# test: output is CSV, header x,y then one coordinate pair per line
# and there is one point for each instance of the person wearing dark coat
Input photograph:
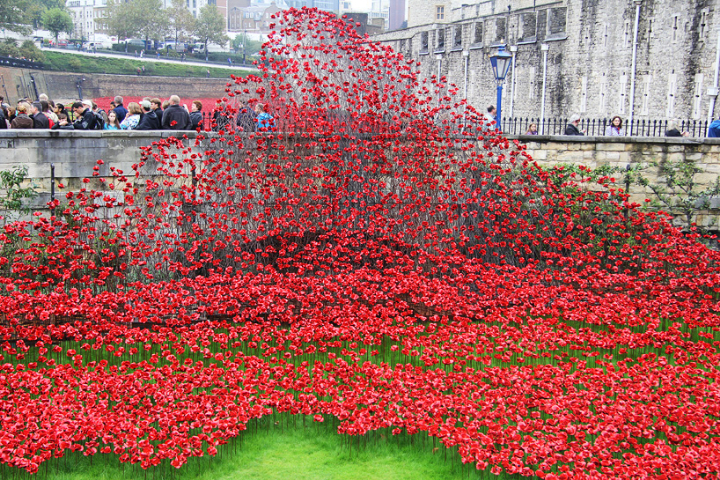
x,y
196,117
22,120
175,117
119,110
40,120
572,127
149,120
245,118
62,123
85,118
157,108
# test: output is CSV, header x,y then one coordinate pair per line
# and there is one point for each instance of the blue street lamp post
x,y
500,65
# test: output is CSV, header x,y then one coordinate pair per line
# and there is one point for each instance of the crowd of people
x,y
148,114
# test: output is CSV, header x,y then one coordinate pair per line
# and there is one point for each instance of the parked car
x,y
59,43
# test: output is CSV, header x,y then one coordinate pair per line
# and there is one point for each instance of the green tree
x,y
29,50
38,7
251,46
120,20
210,27
150,18
181,21
15,15
57,20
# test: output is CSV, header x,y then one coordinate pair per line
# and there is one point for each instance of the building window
x,y
672,91
697,100
528,26
675,29
605,35
478,35
646,97
458,36
531,84
626,34
441,39
500,30
440,12
650,32
603,89
583,95
623,91
703,25
557,19
424,41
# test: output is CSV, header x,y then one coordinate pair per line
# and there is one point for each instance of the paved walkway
x,y
152,58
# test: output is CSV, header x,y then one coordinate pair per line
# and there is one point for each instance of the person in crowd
x,y
492,112
99,112
11,114
62,123
196,117
264,120
132,119
40,121
43,98
4,122
615,129
59,108
22,118
120,110
246,118
674,131
84,117
532,129
148,120
112,123
572,126
175,117
157,108
48,112
714,129
220,119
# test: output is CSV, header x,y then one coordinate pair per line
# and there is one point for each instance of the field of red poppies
x,y
381,257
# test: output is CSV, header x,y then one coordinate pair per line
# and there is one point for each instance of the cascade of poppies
x,y
377,253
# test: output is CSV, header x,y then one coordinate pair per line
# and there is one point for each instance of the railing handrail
x,y
598,126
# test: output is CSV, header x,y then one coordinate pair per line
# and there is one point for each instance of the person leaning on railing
x,y
615,129
572,126
714,129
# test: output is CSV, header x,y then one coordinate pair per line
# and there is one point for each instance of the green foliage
x,y
210,26
181,22
14,193
68,62
30,51
119,20
57,21
15,15
9,48
149,17
676,189
251,46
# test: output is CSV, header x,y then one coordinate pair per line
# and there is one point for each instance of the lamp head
x,y
500,64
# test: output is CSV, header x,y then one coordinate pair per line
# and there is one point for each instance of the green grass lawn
x,y
68,62
285,448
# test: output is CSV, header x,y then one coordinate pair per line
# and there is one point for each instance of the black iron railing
x,y
599,126
20,63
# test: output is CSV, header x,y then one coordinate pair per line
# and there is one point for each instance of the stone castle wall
x,y
63,86
589,56
74,155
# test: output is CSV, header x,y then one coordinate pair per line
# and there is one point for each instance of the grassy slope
x,y
288,449
67,62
